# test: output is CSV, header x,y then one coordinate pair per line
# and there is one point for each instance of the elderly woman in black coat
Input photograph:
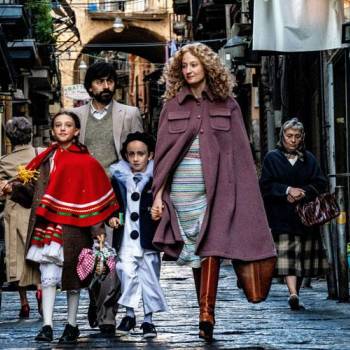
x,y
291,174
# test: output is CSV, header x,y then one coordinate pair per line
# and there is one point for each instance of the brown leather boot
x,y
209,283
197,282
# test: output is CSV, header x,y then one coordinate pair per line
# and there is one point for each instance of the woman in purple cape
x,y
205,187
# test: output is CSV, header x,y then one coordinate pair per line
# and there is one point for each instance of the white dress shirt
x,y
99,114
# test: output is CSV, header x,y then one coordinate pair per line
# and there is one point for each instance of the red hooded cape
x,y
79,192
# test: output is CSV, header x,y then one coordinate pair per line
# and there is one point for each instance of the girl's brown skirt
x,y
74,240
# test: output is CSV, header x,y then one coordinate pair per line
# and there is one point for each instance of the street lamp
x,y
82,65
118,25
82,71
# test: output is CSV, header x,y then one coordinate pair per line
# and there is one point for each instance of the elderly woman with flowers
x,y
16,217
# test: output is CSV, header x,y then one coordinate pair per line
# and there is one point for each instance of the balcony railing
x,y
13,19
128,6
10,2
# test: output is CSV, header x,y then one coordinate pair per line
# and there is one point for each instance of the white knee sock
x,y
73,304
130,312
148,318
49,295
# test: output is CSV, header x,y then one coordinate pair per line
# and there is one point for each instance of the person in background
x,y
113,120
16,217
291,174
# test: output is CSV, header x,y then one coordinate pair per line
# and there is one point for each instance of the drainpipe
x,y
328,231
228,20
331,152
244,11
329,119
342,247
267,101
326,234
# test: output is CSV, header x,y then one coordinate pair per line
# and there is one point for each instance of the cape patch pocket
x,y
178,121
220,119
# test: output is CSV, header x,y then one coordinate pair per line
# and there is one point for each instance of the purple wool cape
x,y
235,224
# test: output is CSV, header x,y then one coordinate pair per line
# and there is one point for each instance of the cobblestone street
x,y
325,324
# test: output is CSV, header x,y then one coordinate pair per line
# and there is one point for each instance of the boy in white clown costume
x,y
139,266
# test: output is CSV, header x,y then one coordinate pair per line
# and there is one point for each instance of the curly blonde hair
x,y
219,80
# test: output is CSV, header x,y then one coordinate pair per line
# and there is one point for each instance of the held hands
x,y
114,222
295,194
101,239
157,209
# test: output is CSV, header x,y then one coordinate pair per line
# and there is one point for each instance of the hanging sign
x,y
76,92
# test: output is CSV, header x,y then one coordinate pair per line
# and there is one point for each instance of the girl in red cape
x,y
70,196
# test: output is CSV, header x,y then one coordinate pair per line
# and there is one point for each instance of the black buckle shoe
x,y
107,329
70,334
126,325
92,311
149,330
45,334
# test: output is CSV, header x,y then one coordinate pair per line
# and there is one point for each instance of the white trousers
x,y
51,274
139,279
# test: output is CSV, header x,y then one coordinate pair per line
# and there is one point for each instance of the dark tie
x,y
137,178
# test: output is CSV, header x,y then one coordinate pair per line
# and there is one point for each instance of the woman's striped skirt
x,y
188,196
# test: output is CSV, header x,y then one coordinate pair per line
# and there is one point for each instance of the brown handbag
x,y
319,211
255,277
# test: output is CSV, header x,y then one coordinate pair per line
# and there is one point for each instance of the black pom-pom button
x,y
134,216
135,196
134,234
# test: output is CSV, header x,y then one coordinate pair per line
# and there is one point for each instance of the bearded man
x,y
105,123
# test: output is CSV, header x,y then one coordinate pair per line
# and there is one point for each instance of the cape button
x,y
134,234
135,196
134,216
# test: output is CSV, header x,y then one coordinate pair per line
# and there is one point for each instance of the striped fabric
x,y
189,199
301,256
45,233
80,211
